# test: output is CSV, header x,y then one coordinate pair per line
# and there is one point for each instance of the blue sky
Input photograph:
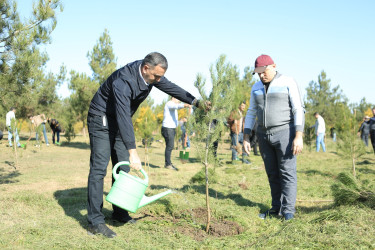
x,y
303,38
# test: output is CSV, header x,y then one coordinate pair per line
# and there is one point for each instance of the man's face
x,y
316,116
268,74
242,106
373,112
152,74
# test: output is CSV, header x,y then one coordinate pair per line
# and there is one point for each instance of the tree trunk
x,y
15,151
207,190
84,130
353,164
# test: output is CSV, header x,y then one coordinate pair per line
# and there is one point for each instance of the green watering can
x,y
128,191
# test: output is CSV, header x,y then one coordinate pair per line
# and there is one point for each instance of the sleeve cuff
x,y
247,131
195,103
299,128
130,145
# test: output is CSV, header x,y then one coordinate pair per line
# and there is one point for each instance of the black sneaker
x,y
269,213
101,229
124,219
171,167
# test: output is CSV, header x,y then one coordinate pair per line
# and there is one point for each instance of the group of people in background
x,y
367,129
38,123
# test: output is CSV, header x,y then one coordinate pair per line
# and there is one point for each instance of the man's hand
x,y
246,143
297,144
134,160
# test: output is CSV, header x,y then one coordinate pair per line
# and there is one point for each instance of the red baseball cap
x,y
262,62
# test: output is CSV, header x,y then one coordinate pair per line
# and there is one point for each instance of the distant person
x,y
277,105
1,135
11,115
111,129
333,134
168,129
56,129
372,129
39,120
364,130
320,130
254,139
184,134
236,123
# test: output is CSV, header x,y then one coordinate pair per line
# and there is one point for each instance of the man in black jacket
x,y
372,129
111,128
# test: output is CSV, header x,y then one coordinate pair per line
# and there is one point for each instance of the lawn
x,y
43,203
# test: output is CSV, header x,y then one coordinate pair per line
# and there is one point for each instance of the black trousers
x,y
168,134
372,135
105,143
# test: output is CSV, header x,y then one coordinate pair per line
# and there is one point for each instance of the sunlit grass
x,y
43,203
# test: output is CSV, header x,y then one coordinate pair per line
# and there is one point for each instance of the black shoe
x,y
269,213
124,219
101,229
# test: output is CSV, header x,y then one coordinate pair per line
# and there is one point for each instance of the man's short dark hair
x,y
154,59
12,108
316,113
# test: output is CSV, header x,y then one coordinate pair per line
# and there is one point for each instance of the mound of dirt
x,y
218,228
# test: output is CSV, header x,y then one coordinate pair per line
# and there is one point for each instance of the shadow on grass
x,y
78,145
237,198
151,165
366,170
316,172
74,201
364,162
8,177
314,209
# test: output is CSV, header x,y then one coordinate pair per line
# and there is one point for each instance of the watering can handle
x,y
115,174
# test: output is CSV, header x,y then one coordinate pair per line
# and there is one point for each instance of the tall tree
x,y
21,61
362,109
83,89
325,100
102,59
243,87
102,62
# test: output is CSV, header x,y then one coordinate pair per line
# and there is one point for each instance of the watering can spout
x,y
146,200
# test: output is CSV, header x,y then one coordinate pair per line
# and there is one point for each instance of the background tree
x,y
362,109
324,99
329,102
243,87
208,123
21,61
103,63
102,59
83,89
146,125
349,146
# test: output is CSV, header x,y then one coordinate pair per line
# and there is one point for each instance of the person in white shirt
x,y
320,130
9,117
168,129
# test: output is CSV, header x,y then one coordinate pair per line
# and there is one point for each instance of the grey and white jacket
x,y
279,108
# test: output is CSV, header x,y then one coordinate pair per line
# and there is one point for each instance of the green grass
x,y
43,203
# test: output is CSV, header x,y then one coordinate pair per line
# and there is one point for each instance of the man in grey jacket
x,y
277,105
